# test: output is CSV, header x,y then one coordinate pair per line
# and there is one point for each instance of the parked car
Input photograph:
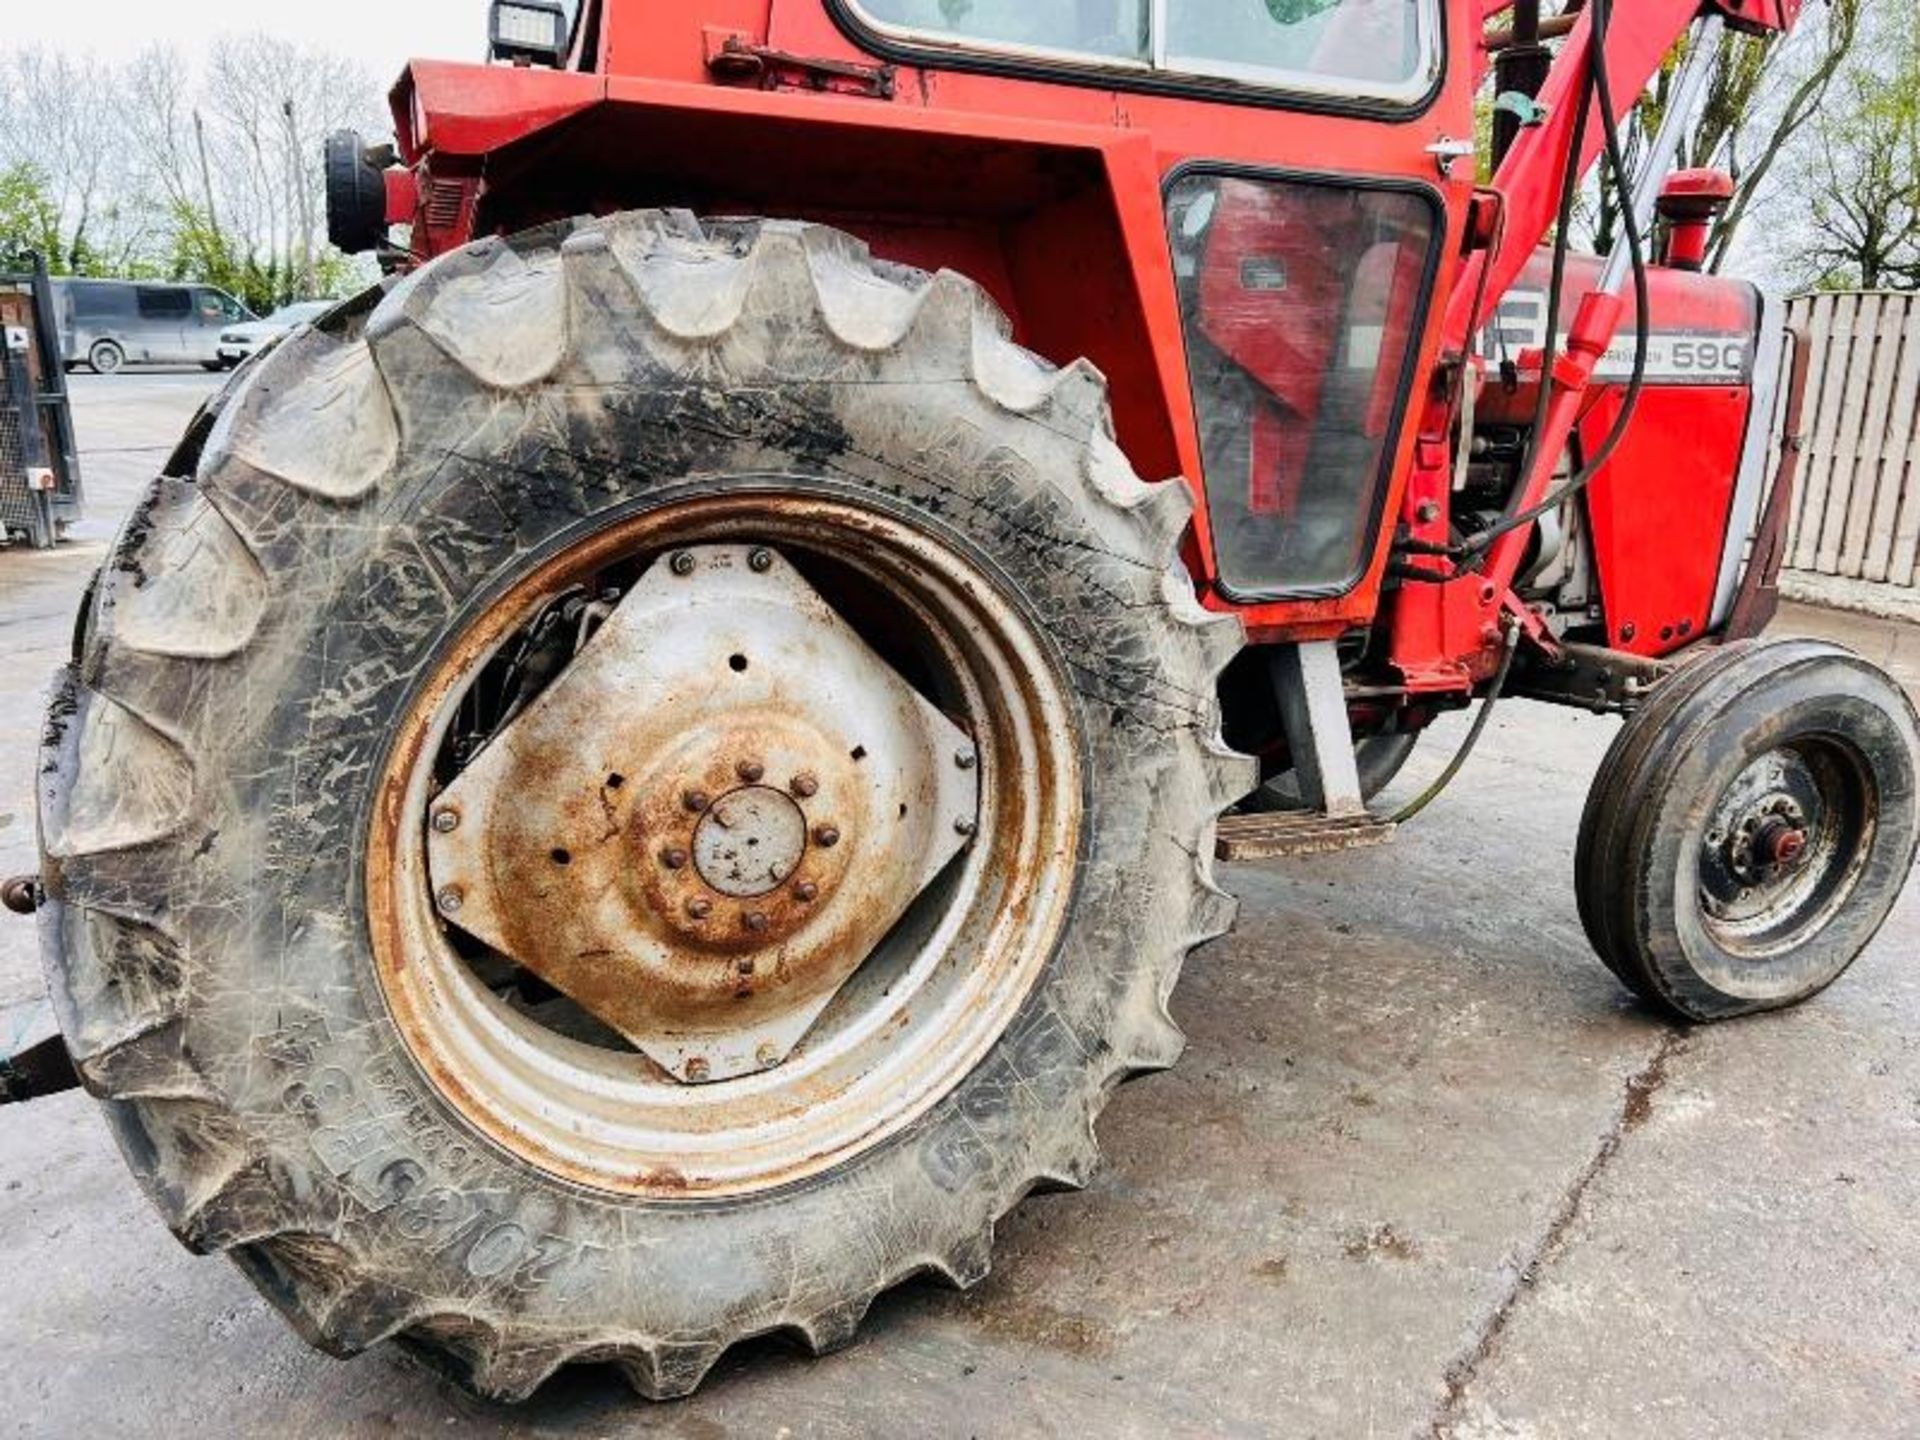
x,y
238,342
106,324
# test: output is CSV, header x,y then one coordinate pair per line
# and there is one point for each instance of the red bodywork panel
x,y
1050,194
1048,189
1659,510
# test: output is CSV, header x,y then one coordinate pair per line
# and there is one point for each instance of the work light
x,y
529,32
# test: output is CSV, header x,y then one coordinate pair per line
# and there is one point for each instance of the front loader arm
x,y
1639,38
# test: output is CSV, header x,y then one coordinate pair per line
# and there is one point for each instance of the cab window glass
x,y
1376,41
1302,300
1111,29
1387,48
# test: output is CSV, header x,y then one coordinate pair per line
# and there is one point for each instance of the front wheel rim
x,y
1785,845
905,1030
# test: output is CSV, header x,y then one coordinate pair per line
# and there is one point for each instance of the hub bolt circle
x,y
826,836
674,858
682,563
697,801
699,907
757,923
806,892
750,771
805,787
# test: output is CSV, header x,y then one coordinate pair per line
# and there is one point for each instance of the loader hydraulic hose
x,y
1465,753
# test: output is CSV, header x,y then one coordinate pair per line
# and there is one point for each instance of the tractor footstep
x,y
1276,837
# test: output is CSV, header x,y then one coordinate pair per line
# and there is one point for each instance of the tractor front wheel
x,y
644,786
1751,829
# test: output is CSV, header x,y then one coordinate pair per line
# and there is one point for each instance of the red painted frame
x,y
1048,190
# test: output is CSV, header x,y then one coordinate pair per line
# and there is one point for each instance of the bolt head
x,y
697,801
966,759
806,892
804,787
699,908
1427,513
751,771
674,858
760,561
697,1069
964,826
767,1055
450,900
445,822
757,923
825,836
682,563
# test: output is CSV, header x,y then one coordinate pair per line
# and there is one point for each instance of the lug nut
x,y
744,966
825,836
697,801
682,563
699,907
806,892
750,771
674,858
965,759
446,822
804,787
697,1069
450,900
757,923
761,561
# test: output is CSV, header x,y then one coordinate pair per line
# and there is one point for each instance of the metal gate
x,y
39,469
1855,538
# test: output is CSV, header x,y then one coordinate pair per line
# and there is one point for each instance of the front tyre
x,y
646,791
1751,829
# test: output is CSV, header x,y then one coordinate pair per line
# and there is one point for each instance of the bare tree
x,y
57,115
1859,181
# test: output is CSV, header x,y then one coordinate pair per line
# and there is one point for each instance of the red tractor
x,y
643,781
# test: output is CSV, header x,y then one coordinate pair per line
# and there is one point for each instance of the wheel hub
x,y
702,828
748,843
1764,843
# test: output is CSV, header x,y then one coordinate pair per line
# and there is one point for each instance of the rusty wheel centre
x,y
789,896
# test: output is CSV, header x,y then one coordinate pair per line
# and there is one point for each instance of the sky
x,y
382,34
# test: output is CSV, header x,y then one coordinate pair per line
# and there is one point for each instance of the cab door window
x,y
1301,300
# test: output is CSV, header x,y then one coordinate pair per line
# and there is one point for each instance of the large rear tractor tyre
x,y
631,791
1751,829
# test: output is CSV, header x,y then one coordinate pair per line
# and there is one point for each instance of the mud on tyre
x,y
221,777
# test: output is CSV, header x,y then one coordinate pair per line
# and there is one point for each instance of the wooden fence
x,y
1855,539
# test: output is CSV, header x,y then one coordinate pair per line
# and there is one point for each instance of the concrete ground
x,y
1424,1171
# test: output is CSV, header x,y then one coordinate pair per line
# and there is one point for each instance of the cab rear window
x,y
1374,49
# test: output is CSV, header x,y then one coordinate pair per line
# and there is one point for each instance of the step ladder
x,y
1313,711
